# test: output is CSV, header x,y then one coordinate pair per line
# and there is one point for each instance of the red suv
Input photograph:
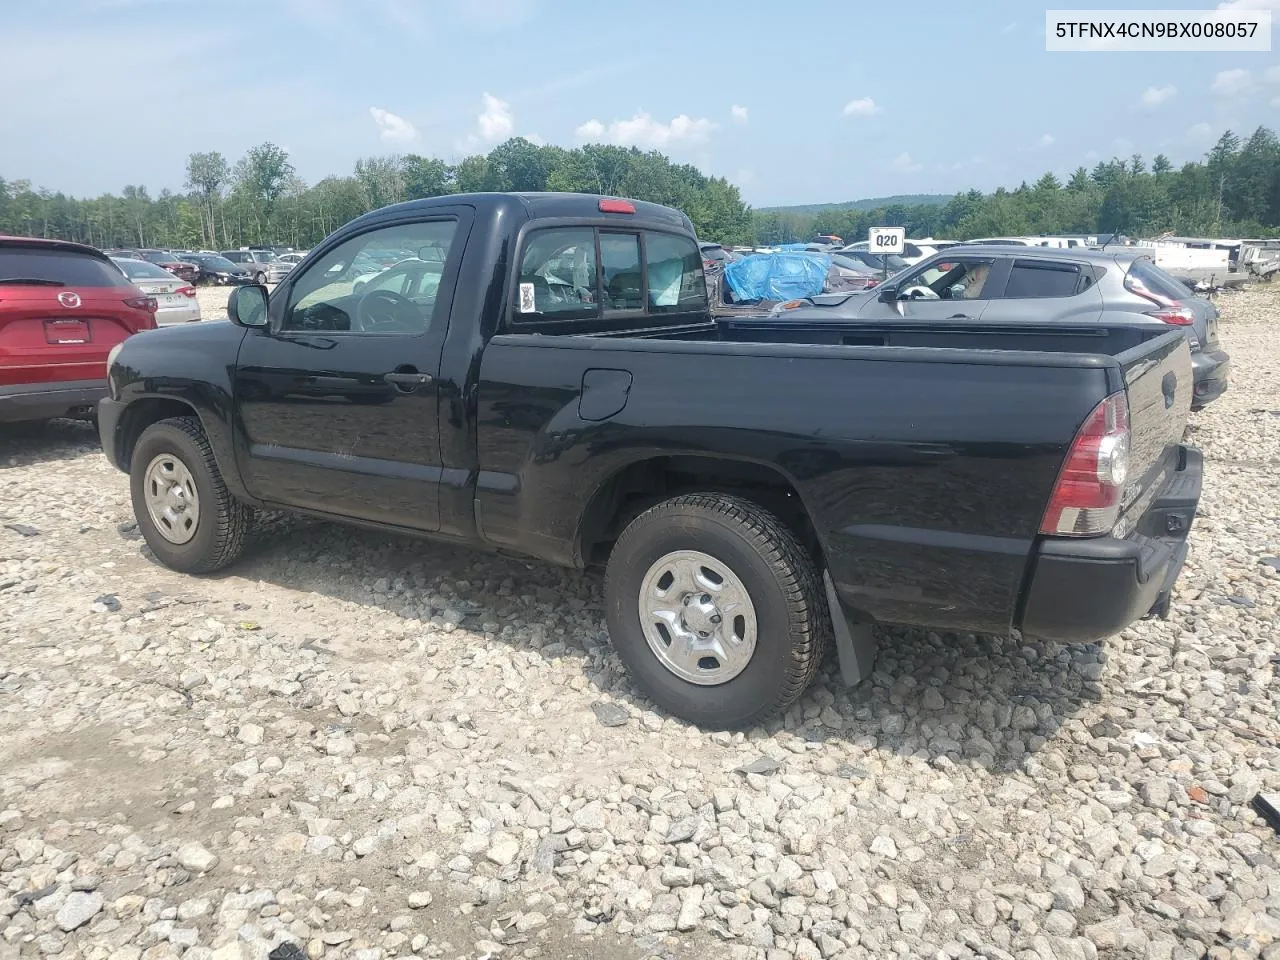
x,y
63,306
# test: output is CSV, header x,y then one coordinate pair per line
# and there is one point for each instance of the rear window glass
x,y
141,270
674,268
66,267
1029,279
620,269
1151,278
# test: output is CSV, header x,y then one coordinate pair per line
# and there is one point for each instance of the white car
x,y
913,251
175,298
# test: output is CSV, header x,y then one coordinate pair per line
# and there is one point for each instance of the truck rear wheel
x,y
715,608
186,515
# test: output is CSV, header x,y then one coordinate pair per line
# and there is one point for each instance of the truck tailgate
x,y
1158,381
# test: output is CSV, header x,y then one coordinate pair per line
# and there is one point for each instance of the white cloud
x,y
644,131
1273,75
862,107
1242,6
904,163
391,128
1121,145
739,114
1008,28
1230,83
1046,140
1091,155
536,140
744,176
1199,131
495,122
406,15
1155,96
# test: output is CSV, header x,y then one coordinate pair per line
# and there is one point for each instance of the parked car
x,y
63,306
876,261
415,279
752,487
295,257
165,259
852,274
717,253
262,265
175,299
1022,284
913,251
216,270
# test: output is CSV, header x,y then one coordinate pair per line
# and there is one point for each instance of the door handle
x,y
407,379
959,316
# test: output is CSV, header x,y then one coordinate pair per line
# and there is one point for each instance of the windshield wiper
x,y
33,281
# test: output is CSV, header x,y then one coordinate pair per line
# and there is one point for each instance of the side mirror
x,y
247,306
888,292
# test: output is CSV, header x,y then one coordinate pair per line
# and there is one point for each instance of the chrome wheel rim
x,y
697,617
173,503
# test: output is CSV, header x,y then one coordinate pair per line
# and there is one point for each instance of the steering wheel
x,y
919,292
385,311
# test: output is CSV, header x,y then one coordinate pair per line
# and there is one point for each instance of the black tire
x,y
222,521
260,278
792,619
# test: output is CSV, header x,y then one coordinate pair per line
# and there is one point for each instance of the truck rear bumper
x,y
40,401
1082,590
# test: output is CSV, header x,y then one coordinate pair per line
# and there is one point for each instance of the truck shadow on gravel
x,y
24,444
976,700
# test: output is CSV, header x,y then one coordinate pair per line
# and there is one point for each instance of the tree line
x,y
261,199
1234,191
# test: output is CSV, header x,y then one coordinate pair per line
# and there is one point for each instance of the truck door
x,y
337,398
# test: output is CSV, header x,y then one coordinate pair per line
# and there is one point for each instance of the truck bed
x,y
926,455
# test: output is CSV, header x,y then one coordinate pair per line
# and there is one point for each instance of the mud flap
x,y
856,644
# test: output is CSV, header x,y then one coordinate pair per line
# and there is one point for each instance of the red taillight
x,y
617,206
1178,317
1086,498
186,291
148,304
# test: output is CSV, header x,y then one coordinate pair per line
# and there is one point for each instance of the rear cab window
x,y
53,266
585,273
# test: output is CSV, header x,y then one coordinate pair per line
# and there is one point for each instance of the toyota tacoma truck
x,y
540,374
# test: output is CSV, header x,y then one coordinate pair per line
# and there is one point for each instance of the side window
x,y
349,290
1038,279
558,275
620,271
675,274
949,280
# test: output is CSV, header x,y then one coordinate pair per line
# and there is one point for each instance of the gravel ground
x,y
370,747
213,301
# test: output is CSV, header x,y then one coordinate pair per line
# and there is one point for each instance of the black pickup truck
x,y
540,374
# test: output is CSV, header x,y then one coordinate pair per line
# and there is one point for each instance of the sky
x,y
794,103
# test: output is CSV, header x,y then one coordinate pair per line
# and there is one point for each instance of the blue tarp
x,y
789,275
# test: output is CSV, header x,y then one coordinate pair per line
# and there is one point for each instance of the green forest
x,y
1233,191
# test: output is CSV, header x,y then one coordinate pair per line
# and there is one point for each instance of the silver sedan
x,y
175,298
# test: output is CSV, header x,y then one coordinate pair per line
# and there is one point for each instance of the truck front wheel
x,y
188,518
716,610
